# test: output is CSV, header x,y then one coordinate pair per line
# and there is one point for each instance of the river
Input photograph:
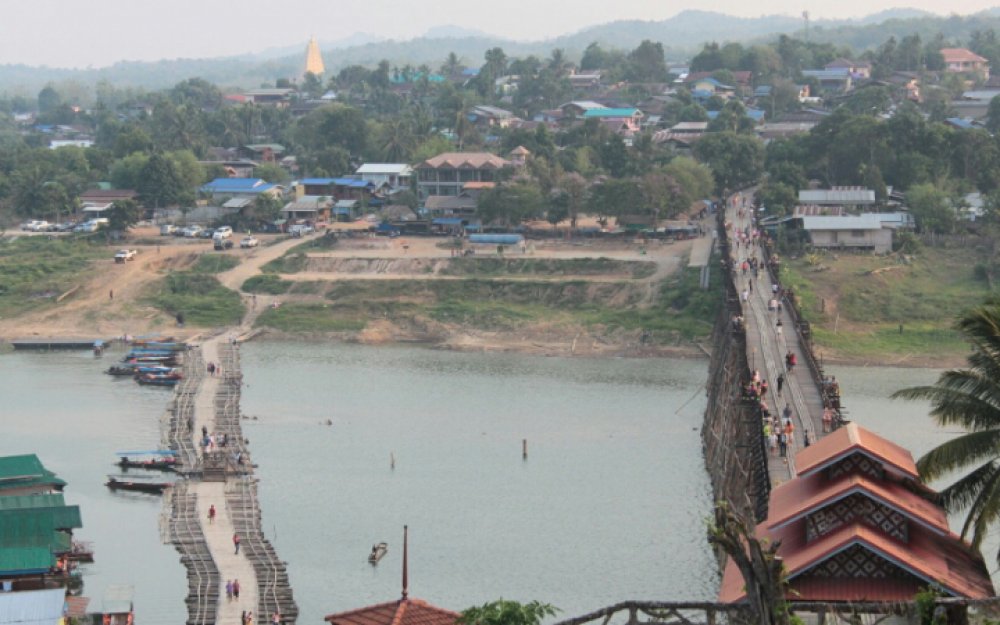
x,y
609,505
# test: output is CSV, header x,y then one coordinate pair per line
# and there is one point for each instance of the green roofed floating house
x,y
37,550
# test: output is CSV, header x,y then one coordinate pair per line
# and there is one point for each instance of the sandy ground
x,y
106,302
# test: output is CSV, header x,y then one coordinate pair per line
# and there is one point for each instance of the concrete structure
x,y
964,61
447,173
393,175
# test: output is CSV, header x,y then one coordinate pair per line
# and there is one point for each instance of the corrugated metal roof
x,y
25,470
837,196
26,560
118,599
847,222
605,112
32,607
60,517
384,168
47,500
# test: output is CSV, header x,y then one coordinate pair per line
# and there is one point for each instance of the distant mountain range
x,y
682,36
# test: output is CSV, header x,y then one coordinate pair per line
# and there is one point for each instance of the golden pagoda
x,y
314,60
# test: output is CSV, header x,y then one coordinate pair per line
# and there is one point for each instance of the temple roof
x,y
799,497
850,439
401,612
943,560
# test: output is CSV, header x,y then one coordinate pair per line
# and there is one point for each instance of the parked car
x,y
223,244
87,226
192,232
207,233
66,226
299,230
249,241
123,255
167,229
222,232
36,225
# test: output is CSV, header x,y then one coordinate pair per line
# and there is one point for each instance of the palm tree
x,y
969,398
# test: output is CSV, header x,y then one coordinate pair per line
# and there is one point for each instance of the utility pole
x,y
805,16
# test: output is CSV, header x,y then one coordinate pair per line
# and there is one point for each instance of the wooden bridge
x,y
805,390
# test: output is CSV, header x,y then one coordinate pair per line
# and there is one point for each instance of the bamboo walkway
x,y
222,478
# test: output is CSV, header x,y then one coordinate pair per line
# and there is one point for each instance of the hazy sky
x,y
81,33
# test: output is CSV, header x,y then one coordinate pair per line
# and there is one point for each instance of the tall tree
x,y
160,183
969,399
122,215
736,160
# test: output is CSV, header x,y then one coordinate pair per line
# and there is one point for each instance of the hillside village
x,y
625,137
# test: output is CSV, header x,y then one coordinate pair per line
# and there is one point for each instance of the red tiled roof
x,y
945,560
796,498
961,55
850,439
475,160
401,612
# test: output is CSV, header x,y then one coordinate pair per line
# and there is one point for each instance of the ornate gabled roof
x,y
800,497
852,439
942,560
401,612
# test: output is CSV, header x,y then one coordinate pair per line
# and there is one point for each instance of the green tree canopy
x,y
510,204
969,399
736,160
504,612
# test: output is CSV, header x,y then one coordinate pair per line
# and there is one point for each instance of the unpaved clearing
x,y
92,311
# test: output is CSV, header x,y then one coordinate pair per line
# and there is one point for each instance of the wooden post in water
x,y
524,449
392,461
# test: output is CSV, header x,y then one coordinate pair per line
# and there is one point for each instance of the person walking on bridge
x,y
236,543
781,382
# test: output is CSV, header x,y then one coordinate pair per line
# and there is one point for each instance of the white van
x,y
223,232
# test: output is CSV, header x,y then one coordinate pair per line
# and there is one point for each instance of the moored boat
x,y
124,482
149,379
152,460
378,552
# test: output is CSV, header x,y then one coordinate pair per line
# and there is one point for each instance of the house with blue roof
x,y
344,188
240,187
630,119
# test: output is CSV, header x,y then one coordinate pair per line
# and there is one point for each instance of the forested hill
x,y
681,36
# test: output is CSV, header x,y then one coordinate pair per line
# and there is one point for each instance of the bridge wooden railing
x,y
955,611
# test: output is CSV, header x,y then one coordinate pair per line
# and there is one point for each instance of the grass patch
x,y
34,271
682,309
294,317
856,303
200,297
215,263
267,283
473,266
295,259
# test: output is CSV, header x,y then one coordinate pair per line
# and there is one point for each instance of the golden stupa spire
x,y
314,60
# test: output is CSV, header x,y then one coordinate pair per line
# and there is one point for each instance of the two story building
x,y
447,173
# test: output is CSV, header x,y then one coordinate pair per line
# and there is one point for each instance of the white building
x,y
395,175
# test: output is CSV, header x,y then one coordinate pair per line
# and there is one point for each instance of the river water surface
x,y
609,505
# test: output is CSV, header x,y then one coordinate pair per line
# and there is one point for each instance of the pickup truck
x,y
123,255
